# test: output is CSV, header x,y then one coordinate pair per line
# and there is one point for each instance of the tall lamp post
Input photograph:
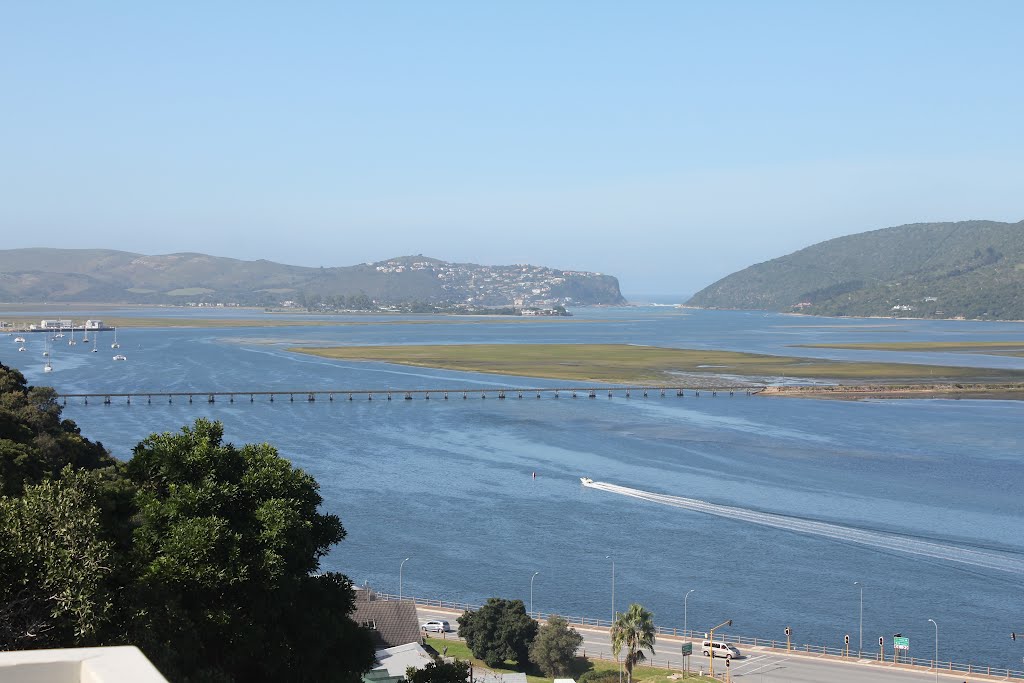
x,y
860,646
684,610
609,557
936,662
711,646
531,592
400,578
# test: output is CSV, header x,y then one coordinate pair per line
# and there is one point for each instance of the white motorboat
x,y
21,348
120,357
19,340
47,367
586,481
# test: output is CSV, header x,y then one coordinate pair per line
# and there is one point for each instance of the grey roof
x,y
393,622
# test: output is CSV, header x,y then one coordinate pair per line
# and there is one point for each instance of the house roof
x,y
397,659
393,622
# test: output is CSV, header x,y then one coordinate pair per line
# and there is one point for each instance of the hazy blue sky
x,y
668,143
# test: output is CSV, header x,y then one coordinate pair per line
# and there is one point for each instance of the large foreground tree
x,y
225,550
634,630
204,555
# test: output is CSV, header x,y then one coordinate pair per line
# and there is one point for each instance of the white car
x,y
438,625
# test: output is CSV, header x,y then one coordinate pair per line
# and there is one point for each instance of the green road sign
x,y
687,649
901,643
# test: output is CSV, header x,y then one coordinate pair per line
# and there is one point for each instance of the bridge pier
x,y
501,394
106,400
252,398
231,398
149,400
408,396
128,400
627,393
446,395
609,393
426,396
271,398
574,393
520,394
311,398
190,398
593,393
291,397
556,394
210,399
464,397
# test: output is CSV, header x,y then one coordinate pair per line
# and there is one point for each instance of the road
x,y
758,665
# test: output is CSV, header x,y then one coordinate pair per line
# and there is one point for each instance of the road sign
x,y
901,643
687,649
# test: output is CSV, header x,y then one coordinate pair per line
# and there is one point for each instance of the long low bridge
x,y
310,396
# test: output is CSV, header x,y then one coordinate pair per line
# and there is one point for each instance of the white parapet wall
x,y
123,664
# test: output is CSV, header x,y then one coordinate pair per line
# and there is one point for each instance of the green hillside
x,y
105,276
971,269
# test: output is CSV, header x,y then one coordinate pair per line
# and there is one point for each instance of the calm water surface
x,y
919,500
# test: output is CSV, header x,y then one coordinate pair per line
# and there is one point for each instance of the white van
x,y
719,649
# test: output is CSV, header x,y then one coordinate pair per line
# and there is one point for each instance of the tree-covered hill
x,y
105,276
970,269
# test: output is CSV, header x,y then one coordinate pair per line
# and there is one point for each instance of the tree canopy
x,y
439,671
204,554
499,631
554,648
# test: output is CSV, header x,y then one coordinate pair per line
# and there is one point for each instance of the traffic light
x,y
881,640
788,631
846,639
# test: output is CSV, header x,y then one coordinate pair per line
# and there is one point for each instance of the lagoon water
x,y
919,500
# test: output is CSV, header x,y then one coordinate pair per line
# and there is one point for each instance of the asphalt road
x,y
758,665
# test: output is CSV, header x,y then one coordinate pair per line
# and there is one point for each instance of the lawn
x,y
641,674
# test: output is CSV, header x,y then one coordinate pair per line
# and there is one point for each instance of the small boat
x,y
46,354
586,481
120,357
19,340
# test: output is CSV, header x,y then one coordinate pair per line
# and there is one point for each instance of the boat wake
x,y
974,557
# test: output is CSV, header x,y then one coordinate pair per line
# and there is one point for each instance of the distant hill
x,y
971,269
105,276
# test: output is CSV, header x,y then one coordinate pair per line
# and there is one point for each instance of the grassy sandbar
x,y
636,365
999,348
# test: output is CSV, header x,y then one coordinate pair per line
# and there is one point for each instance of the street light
x,y
609,557
531,592
400,578
711,646
684,609
860,646
936,662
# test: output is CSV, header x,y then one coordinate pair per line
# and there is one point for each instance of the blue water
x,y
449,485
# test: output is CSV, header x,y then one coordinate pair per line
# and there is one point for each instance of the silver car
x,y
438,625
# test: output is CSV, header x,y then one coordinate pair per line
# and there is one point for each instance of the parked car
x,y
438,625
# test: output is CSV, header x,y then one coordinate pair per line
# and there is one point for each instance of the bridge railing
x,y
919,663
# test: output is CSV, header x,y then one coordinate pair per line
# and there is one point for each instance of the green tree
x,y
499,631
35,444
53,565
224,554
634,630
554,648
439,671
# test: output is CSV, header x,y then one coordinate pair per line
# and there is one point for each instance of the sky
x,y
666,143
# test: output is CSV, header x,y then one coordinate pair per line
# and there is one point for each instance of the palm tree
x,y
633,628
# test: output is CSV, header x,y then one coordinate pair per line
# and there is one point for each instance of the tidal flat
x,y
651,365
